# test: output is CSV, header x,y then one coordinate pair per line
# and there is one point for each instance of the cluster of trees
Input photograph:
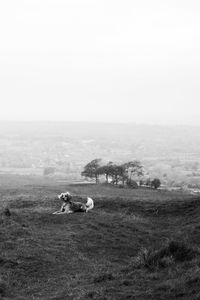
x,y
113,173
122,174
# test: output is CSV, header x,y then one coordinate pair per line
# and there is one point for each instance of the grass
x,y
135,244
173,252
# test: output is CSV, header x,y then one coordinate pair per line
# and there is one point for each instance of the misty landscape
x,y
99,150
170,153
137,242
141,238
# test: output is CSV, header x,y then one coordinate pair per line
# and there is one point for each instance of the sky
x,y
100,60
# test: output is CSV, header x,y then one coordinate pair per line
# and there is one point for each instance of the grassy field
x,y
135,244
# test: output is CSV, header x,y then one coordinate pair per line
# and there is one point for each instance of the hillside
x,y
135,244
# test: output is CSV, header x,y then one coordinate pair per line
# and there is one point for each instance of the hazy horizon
x,y
89,125
107,122
103,61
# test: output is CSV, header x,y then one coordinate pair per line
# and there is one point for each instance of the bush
x,y
155,183
131,184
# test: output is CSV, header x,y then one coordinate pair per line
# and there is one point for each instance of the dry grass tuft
x,y
169,254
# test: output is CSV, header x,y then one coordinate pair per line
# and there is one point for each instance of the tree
x,y
133,168
120,173
117,173
91,170
113,173
141,182
148,182
106,170
156,183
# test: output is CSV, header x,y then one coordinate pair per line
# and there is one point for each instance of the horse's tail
x,y
89,204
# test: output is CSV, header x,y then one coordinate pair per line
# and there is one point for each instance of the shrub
x,y
155,183
131,184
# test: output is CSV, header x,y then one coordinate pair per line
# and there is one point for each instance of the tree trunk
x,y
96,178
107,178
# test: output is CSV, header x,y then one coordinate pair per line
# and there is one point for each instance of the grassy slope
x,y
90,256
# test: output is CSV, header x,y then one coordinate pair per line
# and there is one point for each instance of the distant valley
x,y
170,153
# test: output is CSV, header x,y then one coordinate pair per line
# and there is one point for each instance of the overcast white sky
x,y
96,60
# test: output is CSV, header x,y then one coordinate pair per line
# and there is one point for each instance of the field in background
x,y
135,244
63,149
